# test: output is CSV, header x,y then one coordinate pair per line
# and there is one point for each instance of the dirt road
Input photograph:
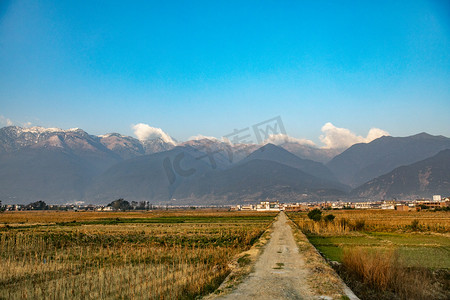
x,y
279,272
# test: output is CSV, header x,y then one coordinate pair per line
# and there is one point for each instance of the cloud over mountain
x,y
278,139
335,137
145,132
5,121
332,138
202,137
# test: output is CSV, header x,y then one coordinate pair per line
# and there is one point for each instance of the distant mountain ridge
x,y
363,162
13,138
217,153
49,164
312,153
280,155
61,166
264,174
257,180
145,177
420,179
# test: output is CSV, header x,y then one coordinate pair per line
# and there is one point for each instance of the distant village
x,y
116,205
436,203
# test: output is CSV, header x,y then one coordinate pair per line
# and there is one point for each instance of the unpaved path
x,y
279,272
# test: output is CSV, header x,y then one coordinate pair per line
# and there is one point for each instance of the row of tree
x,y
316,215
122,204
38,205
119,204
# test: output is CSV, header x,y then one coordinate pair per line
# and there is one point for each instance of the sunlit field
x,y
157,255
396,254
376,220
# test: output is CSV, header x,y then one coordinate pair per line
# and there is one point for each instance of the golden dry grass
x,y
181,257
382,271
347,221
382,251
49,216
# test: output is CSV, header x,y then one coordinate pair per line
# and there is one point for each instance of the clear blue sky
x,y
208,67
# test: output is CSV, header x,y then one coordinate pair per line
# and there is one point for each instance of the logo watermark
x,y
227,150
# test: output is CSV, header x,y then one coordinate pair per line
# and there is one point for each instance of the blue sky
x,y
207,67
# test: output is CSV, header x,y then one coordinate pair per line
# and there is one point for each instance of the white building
x,y
268,206
247,207
363,205
388,205
437,198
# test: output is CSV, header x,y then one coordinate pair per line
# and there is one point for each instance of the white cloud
x,y
375,133
280,138
201,137
146,132
5,121
335,137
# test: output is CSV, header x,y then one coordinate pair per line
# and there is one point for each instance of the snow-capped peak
x,y
38,129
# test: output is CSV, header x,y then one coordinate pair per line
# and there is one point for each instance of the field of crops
x,y
418,243
157,255
421,237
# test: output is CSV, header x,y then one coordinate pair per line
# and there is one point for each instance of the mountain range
x,y
65,166
269,172
365,161
418,180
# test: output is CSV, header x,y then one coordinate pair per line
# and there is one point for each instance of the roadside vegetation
x,y
156,255
384,254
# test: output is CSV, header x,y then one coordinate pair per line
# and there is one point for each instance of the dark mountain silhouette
x,y
363,162
153,177
61,166
256,180
421,179
148,178
52,174
218,154
282,156
311,152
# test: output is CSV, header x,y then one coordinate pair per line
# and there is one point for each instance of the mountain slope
x,y
124,146
363,162
75,141
421,179
49,164
311,152
256,180
282,156
217,153
60,166
52,174
156,145
147,178
152,177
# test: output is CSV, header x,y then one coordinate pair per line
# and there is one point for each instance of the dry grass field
x,y
54,216
93,255
376,221
386,254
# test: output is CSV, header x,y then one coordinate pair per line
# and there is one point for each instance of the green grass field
x,y
418,250
385,254
427,247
